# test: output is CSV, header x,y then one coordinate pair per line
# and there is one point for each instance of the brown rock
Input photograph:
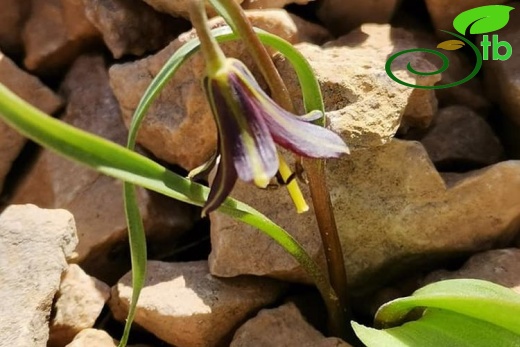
x,y
12,18
31,90
179,126
182,304
237,248
392,191
35,245
93,337
97,200
341,16
503,77
131,27
363,104
461,138
500,266
79,302
443,12
178,8
55,34
265,4
282,326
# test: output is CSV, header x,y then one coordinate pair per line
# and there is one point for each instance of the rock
x,y
282,326
35,245
179,126
231,257
97,200
79,302
182,304
12,18
461,138
500,266
443,12
392,201
179,8
363,104
341,16
31,90
503,77
131,27
92,337
55,33
265,4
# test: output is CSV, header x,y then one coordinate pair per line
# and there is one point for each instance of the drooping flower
x,y
250,124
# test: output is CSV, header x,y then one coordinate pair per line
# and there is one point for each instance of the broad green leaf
x,y
483,20
439,328
451,45
478,299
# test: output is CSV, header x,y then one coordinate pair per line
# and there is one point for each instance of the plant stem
x,y
339,314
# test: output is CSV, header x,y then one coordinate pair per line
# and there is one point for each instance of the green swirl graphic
x,y
444,67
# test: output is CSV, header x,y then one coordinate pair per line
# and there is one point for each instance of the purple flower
x,y
250,124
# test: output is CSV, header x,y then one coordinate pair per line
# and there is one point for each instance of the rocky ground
x,y
430,191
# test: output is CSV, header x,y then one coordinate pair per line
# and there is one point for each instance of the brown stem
x,y
339,314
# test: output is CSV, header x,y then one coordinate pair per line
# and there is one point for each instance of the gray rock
x,y
178,8
35,245
182,304
12,18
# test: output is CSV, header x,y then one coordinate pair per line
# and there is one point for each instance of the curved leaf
x,y
451,45
438,328
485,19
475,298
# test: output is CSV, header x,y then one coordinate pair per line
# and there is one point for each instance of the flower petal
x,y
240,120
222,186
287,129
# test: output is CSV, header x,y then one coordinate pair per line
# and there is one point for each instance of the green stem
x,y
337,302
244,29
213,55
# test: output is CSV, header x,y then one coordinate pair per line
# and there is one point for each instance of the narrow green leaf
x,y
483,20
439,328
482,300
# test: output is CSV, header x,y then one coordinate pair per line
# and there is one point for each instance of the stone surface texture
x,y
91,338
78,304
97,200
386,228
179,126
266,4
35,245
363,104
459,137
443,12
178,8
341,16
500,266
503,77
12,18
184,305
282,326
131,27
30,89
55,33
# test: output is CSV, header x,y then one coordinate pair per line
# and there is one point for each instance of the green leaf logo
x,y
451,45
483,20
